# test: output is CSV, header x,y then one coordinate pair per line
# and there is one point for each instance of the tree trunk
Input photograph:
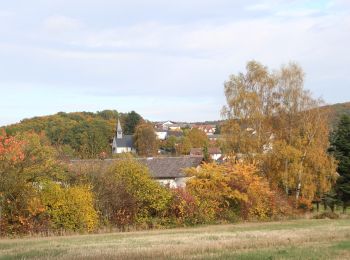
x,y
318,206
297,194
344,208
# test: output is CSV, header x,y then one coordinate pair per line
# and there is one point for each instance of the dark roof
x,y
214,136
175,133
199,151
160,167
170,167
126,141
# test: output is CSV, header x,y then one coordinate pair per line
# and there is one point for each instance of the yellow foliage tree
x,y
274,122
70,208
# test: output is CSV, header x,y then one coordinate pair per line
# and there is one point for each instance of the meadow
x,y
294,239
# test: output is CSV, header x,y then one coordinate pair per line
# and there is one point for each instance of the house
x,y
214,137
168,171
122,143
177,134
214,152
174,127
165,134
164,125
208,129
161,134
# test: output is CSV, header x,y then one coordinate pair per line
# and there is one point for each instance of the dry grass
x,y
299,239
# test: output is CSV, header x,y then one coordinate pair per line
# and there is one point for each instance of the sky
x,y
167,60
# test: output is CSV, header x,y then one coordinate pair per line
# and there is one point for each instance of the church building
x,y
122,143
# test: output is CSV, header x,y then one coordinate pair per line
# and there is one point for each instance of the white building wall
x,y
173,183
161,135
215,156
124,150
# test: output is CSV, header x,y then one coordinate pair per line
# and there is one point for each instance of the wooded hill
x,y
78,134
87,134
337,110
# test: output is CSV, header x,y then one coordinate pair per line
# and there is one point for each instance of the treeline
x,y
80,134
39,193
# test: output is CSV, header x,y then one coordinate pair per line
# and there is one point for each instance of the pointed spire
x,y
119,130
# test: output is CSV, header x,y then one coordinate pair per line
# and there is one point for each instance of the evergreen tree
x,y
341,151
132,119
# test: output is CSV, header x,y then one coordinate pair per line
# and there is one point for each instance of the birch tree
x,y
273,120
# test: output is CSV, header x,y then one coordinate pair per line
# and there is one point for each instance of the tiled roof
x,y
160,167
199,151
125,141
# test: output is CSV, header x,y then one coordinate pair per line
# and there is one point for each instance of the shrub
x,y
184,208
234,190
128,195
70,208
328,214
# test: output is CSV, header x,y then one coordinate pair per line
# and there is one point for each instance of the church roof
x,y
125,141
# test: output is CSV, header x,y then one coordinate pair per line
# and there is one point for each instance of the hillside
x,y
87,134
78,134
337,110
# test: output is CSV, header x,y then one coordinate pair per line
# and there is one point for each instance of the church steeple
x,y
119,130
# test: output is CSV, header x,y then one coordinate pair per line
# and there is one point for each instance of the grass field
x,y
297,239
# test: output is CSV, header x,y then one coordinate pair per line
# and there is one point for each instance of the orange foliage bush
x,y
235,190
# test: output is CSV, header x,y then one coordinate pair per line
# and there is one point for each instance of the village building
x,y
214,137
168,171
207,129
165,134
161,134
174,127
214,152
122,143
164,125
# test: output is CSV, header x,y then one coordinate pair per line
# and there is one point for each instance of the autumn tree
x,y
233,191
69,208
271,119
145,140
130,196
197,138
193,138
25,162
341,150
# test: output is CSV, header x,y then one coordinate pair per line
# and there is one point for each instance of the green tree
x,y
341,150
145,140
132,119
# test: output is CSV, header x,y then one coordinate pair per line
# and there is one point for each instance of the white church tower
x,y
122,143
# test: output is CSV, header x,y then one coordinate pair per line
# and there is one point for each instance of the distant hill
x,y
77,134
337,110
87,134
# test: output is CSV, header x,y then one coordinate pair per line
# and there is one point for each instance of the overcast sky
x,y
163,59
